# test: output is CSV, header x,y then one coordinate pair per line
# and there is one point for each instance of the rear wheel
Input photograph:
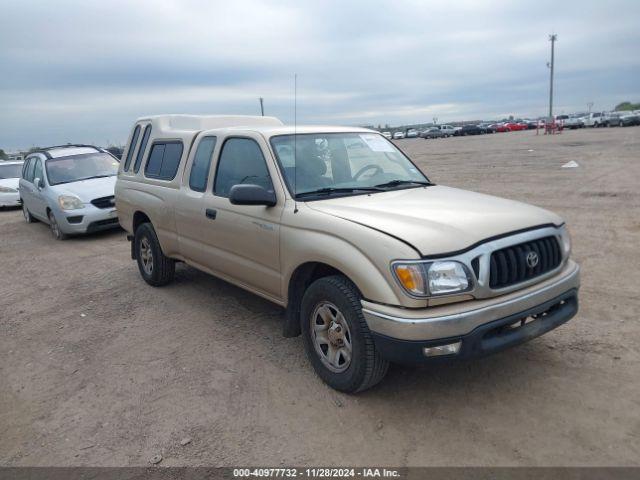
x,y
55,227
27,214
155,268
336,336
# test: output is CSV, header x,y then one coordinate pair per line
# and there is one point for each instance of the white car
x,y
398,135
9,181
70,188
594,119
412,133
448,130
386,135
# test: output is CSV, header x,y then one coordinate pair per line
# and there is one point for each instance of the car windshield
x,y
10,171
81,167
343,164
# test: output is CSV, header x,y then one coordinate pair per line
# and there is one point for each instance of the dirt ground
x,y
97,368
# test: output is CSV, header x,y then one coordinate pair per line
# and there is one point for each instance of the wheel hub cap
x,y
331,337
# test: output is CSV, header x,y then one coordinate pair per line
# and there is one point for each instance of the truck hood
x,y
437,220
87,190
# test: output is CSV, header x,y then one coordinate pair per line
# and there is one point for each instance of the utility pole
x,y
262,106
552,38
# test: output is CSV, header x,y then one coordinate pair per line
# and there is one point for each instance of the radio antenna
x,y
295,142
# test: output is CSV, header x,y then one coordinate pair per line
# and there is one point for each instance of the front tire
x,y
55,227
336,337
155,268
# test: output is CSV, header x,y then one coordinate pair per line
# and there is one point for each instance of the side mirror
x,y
252,195
39,183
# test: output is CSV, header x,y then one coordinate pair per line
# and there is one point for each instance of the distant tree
x,y
624,106
3,155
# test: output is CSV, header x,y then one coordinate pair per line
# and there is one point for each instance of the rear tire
x,y
336,337
155,268
27,214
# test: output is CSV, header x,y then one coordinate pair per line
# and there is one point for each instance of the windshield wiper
x,y
330,190
395,183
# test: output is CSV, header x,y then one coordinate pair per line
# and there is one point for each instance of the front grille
x,y
510,265
104,202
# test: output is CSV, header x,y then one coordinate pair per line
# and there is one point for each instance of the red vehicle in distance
x,y
515,126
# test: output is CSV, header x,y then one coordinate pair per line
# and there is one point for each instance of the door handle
x,y
211,213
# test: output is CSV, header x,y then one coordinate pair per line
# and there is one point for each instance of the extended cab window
x,y
143,146
164,160
132,147
241,161
201,164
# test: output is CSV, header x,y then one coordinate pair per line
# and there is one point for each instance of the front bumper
x,y
88,220
481,325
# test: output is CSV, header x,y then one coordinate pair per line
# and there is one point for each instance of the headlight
x,y
69,202
8,190
422,279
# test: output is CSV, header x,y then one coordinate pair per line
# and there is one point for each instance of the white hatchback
x,y
9,180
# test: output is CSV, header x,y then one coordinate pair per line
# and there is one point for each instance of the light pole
x,y
552,38
589,106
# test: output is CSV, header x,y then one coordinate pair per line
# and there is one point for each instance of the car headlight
x,y
70,202
8,190
422,279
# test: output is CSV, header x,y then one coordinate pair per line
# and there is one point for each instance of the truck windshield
x,y
81,167
343,164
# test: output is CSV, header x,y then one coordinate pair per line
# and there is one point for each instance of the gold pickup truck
x,y
372,261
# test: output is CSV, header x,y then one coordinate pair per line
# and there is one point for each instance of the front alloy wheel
x,y
55,228
336,336
331,337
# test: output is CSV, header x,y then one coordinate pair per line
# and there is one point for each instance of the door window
x,y
30,170
37,172
201,164
241,162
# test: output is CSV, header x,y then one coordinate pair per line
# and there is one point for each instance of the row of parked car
x,y
599,119
440,131
573,121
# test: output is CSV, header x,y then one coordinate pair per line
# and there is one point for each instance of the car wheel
x,y
336,336
55,227
155,268
27,214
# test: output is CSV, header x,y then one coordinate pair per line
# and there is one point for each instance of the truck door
x,y
243,241
190,208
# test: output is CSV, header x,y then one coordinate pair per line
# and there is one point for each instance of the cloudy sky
x,y
83,71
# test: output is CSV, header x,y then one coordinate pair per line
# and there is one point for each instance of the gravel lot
x,y
97,368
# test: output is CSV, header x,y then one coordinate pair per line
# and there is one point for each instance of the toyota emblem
x,y
532,259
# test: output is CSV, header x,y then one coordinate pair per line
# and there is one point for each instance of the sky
x,y
83,71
